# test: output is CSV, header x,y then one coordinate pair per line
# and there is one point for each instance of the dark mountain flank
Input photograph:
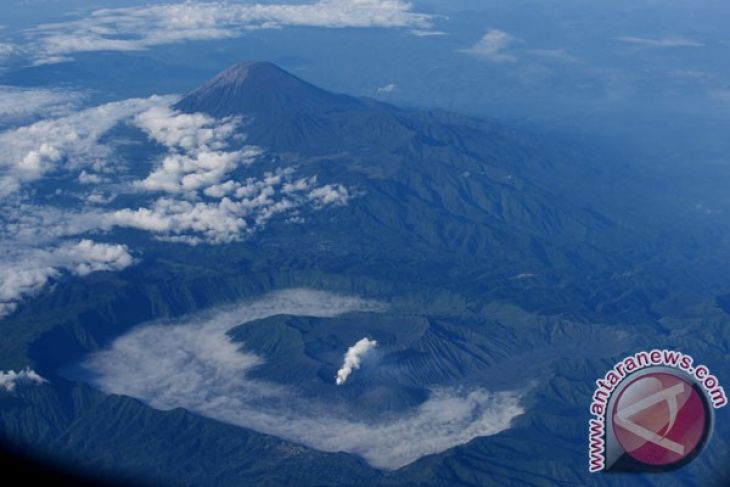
x,y
437,193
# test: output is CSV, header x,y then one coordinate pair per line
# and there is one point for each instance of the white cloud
x,y
524,275
25,271
86,257
7,50
197,158
428,33
24,225
243,207
8,185
10,380
389,88
198,167
97,198
187,131
302,184
206,198
330,194
23,105
44,60
190,172
138,28
91,178
660,42
69,142
353,359
193,364
493,46
220,222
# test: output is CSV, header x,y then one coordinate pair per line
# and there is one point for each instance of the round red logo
x,y
660,419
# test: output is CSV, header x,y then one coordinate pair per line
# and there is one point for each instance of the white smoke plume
x,y
353,358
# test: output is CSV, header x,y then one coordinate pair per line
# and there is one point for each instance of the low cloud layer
x,y
139,28
353,359
10,380
193,364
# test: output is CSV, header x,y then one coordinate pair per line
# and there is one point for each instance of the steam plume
x,y
353,358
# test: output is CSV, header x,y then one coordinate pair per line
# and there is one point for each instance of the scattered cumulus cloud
x,y
86,257
660,42
100,198
10,380
202,201
494,46
353,359
190,171
142,27
91,178
186,131
197,157
192,363
242,208
185,221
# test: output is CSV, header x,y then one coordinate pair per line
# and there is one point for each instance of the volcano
x,y
262,89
